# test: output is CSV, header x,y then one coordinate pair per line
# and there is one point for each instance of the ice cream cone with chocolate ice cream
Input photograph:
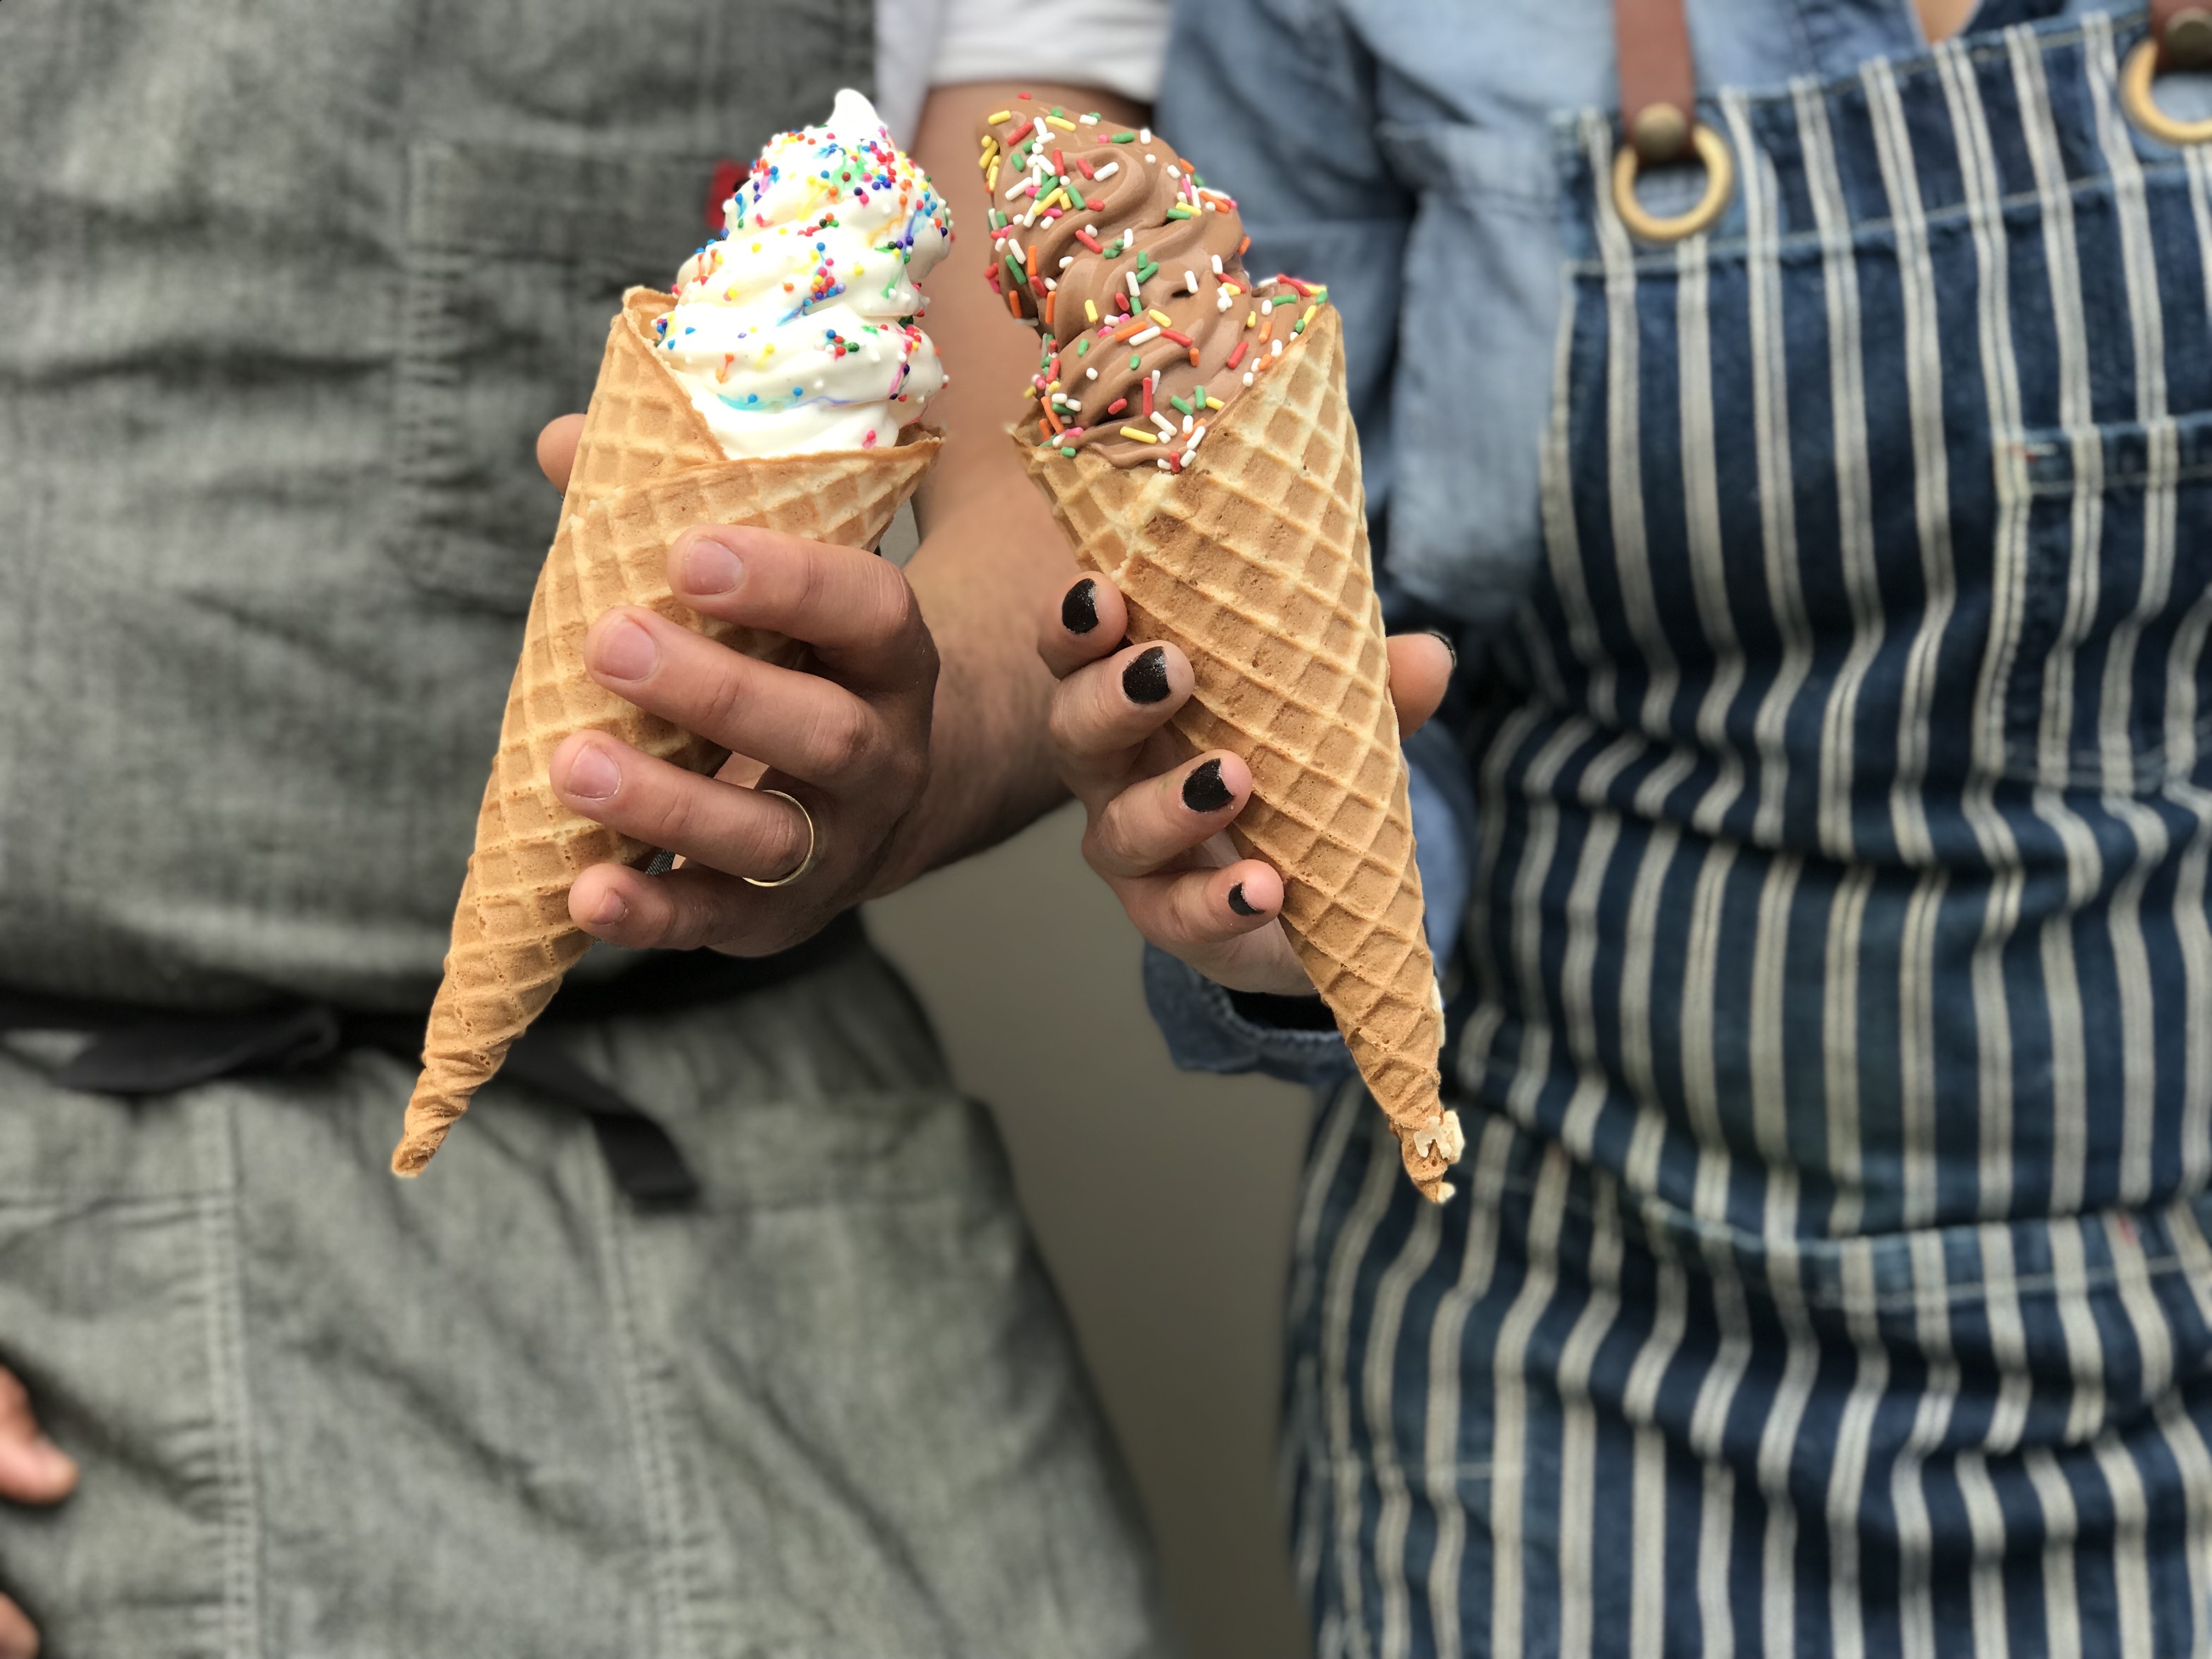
x,y
1193,439
781,385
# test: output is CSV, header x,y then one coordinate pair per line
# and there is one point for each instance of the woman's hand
x,y
1157,826
848,737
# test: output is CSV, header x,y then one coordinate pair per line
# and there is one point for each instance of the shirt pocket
x,y
2107,684
515,259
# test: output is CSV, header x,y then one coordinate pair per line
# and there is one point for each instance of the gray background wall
x,y
1172,1275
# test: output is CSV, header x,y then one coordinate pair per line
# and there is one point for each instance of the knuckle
x,y
844,739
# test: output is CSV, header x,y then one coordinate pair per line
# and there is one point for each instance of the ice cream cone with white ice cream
x,y
782,385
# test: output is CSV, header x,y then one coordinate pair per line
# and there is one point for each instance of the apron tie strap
x,y
137,1050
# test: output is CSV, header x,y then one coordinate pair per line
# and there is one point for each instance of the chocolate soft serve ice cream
x,y
1192,436
1131,270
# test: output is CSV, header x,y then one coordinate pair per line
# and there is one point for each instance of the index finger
x,y
1080,624
853,608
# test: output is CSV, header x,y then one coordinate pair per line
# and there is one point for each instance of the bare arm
x,y
989,549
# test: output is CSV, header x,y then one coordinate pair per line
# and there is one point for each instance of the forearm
x,y
981,570
990,552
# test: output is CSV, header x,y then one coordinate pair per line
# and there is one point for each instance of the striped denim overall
x,y
1830,1274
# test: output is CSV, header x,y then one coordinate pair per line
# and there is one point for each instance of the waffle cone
x,y
646,467
1255,562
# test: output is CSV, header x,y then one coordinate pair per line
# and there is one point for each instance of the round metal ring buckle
x,y
2189,45
1720,185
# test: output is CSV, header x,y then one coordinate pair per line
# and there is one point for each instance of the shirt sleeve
x,y
1209,1029
1119,45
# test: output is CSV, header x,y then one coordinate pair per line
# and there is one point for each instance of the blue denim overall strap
x,y
1832,1275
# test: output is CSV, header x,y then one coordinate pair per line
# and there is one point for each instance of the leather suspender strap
x,y
2183,29
1658,79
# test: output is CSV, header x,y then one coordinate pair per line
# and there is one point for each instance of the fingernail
x,y
1239,903
711,567
1079,611
1445,640
1203,791
625,651
611,910
594,774
1146,678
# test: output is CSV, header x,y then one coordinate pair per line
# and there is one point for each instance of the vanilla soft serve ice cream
x,y
797,328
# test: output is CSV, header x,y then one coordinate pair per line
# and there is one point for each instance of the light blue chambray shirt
x,y
1402,151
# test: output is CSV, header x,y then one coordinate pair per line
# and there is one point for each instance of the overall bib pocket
x,y
2108,690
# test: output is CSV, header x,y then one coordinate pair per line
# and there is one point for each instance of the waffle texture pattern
x,y
646,469
1255,562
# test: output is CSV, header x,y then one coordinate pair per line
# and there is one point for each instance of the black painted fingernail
x,y
1239,903
1203,791
1079,610
1444,639
1146,678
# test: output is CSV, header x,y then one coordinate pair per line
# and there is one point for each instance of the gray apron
x,y
286,290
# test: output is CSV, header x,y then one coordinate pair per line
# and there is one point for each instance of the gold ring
x,y
2136,76
813,846
1720,184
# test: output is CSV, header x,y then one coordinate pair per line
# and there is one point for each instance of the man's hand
x,y
1159,825
847,736
32,1470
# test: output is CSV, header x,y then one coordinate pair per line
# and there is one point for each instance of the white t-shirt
x,y
1119,45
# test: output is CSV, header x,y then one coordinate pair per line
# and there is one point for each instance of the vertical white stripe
x,y
2011,558
1931,491
1577,1494
1701,507
1854,482
1631,562
1777,1444
1340,1298
1847,1469
2115,740
1379,1380
2062,1522
1483,1026
2077,1327
1777,505
1578,967
1716,1393
2186,660
1931,1421
1509,1466
2061,998
2194,927
1448,1361
2153,1342
1304,1448
1839,717
1700,1084
1839,1040
1647,1627
1916,992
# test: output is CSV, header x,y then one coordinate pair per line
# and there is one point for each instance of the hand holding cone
x,y
1193,436
647,467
